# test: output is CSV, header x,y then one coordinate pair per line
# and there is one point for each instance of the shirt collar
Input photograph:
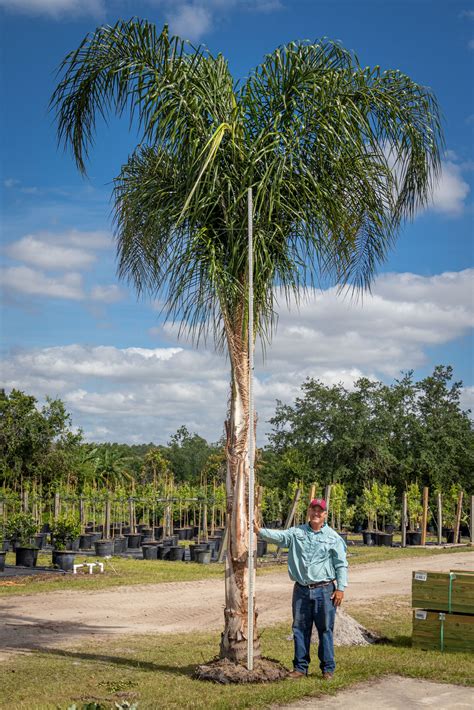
x,y
324,525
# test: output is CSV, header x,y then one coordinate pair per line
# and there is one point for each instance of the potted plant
x,y
21,528
385,509
450,504
3,551
415,514
338,506
370,504
64,530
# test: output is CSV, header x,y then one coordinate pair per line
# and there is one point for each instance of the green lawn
x,y
156,671
120,571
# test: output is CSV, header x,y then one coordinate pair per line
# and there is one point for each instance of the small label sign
x,y
421,576
420,614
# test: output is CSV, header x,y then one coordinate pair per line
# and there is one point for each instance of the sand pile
x,y
347,632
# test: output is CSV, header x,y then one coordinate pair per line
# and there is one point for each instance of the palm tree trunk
x,y
234,637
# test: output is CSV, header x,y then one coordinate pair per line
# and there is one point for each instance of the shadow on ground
x,y
16,632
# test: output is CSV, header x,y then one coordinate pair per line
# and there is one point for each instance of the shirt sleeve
x,y
281,537
339,560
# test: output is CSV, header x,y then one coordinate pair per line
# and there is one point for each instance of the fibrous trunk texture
x,y
234,637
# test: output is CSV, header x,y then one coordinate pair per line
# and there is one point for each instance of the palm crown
x,y
337,156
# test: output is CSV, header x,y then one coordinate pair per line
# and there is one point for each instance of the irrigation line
x,y
251,446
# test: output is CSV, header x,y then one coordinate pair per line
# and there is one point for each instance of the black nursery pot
x,y
73,543
163,552
450,536
120,544
39,540
26,556
214,545
413,537
368,537
85,542
150,552
176,553
64,559
133,541
3,554
203,557
261,548
194,549
104,548
384,539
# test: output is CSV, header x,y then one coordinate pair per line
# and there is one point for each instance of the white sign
x,y
421,576
420,614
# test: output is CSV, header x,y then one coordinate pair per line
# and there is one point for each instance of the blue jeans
x,y
313,606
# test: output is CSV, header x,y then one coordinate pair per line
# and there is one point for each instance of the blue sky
x,y
70,329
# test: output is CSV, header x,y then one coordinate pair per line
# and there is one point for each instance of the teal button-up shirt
x,y
312,556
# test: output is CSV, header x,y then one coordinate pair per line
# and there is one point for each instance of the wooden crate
x,y
438,631
430,590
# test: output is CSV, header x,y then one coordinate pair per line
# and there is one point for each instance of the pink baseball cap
x,y
318,501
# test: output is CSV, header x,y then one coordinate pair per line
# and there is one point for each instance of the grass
x,y
156,671
121,571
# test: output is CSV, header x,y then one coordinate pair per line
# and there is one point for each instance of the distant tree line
x,y
397,434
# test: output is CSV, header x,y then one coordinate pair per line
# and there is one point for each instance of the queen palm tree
x,y
337,155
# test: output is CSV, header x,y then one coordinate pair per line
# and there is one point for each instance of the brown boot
x,y
294,675
328,676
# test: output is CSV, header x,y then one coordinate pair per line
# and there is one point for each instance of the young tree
x,y
35,443
315,136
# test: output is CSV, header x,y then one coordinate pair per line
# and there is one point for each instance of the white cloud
x,y
267,5
56,9
189,21
94,239
467,398
142,394
451,191
39,252
22,279
192,19
106,294
10,182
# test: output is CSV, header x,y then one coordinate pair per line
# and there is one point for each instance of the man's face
x,y
316,514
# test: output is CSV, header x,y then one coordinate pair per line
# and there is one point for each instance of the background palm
x,y
337,156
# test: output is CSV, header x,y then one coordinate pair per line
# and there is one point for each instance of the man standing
x,y
317,563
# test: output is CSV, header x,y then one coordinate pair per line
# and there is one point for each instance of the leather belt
x,y
315,585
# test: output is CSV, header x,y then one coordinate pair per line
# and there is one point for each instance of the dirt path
x,y
67,617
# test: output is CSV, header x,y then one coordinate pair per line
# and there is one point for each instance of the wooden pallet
x,y
438,631
443,591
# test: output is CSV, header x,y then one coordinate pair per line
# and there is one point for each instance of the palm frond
x,y
337,156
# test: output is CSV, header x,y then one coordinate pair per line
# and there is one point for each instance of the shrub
x,y
21,527
64,529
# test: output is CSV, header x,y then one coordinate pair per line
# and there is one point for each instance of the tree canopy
x,y
400,433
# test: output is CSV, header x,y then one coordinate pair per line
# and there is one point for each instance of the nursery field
x,y
149,671
65,618
120,571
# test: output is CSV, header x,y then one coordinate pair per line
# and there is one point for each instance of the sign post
x,y
251,443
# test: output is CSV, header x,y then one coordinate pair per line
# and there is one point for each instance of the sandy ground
x,y
392,693
66,618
